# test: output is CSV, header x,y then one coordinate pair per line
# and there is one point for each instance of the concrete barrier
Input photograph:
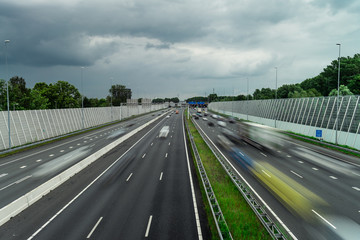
x,y
20,204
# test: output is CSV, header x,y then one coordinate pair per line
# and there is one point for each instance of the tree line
x,y
324,84
55,95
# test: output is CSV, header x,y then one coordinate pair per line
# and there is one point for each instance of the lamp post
x,y
82,98
337,99
275,92
7,91
111,97
247,99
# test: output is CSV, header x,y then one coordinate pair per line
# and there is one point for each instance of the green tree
x,y
38,100
119,94
19,95
343,90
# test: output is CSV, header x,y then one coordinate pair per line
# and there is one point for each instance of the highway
x,y
333,177
22,172
142,189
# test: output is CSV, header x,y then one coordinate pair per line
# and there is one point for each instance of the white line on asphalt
x,y
78,144
143,155
263,154
71,147
356,188
171,136
161,174
300,161
39,160
91,139
296,174
355,174
333,177
51,155
315,169
166,155
3,175
151,144
61,150
85,141
197,219
18,181
323,218
169,143
129,177
288,156
93,229
23,166
148,227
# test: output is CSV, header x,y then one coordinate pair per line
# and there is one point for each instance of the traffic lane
x,y
174,216
128,230
318,183
19,178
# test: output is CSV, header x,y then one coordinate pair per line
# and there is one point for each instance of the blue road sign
x,y
318,133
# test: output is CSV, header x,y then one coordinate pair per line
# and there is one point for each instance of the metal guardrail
x,y
220,222
260,212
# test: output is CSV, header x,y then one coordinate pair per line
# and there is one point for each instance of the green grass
x,y
241,220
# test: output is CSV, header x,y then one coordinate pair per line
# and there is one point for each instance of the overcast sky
x,y
174,48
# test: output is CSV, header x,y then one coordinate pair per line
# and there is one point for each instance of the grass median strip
x,y
241,220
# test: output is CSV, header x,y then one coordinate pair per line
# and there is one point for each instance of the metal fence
x,y
34,125
303,115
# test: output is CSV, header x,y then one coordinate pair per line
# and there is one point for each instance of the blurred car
x,y
177,111
164,132
232,120
167,116
221,123
214,116
205,119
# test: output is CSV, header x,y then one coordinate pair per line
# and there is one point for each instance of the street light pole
x,y
337,100
7,91
82,98
247,98
275,92
111,97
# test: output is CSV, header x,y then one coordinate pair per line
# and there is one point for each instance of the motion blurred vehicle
x,y
214,116
221,123
205,119
164,132
263,137
232,120
295,197
168,116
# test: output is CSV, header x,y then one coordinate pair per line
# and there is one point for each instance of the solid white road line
x,y
23,166
323,218
143,155
300,161
166,155
263,154
161,174
93,229
3,175
197,219
148,227
315,169
129,177
356,188
333,177
296,174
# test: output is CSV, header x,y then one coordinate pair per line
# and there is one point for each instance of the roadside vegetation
x,y
241,220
